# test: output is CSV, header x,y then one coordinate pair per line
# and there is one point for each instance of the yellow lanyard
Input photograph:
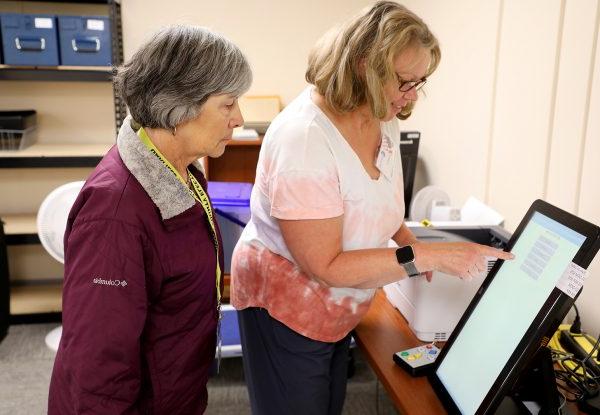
x,y
198,193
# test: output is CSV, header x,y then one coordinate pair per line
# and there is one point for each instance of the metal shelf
x,y
79,74
20,229
54,155
36,299
41,303
36,303
48,162
56,73
70,1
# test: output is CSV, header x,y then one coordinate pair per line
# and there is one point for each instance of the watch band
x,y
410,269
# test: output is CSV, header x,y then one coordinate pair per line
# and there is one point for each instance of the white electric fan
x,y
425,200
51,225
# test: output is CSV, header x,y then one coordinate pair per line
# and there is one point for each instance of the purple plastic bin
x,y
231,201
230,193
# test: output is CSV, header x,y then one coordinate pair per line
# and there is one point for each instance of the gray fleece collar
x,y
166,191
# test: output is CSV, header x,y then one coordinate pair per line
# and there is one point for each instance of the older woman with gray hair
x,y
143,254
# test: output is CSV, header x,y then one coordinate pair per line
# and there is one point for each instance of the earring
x,y
175,130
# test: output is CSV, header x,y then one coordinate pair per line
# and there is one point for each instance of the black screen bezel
x,y
545,323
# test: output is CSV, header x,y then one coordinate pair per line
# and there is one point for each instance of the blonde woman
x,y
328,197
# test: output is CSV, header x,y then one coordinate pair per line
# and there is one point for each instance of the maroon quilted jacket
x,y
139,298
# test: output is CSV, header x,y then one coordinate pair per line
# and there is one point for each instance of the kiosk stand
x,y
535,389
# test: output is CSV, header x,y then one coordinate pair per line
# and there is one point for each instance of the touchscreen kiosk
x,y
516,310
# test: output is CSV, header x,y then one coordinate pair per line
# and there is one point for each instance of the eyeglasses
x,y
406,86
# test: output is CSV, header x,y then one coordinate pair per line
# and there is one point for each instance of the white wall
x,y
588,187
511,115
275,35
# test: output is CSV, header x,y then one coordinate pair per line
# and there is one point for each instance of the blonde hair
x,y
374,39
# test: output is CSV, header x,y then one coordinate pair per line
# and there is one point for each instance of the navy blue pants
x,y
288,373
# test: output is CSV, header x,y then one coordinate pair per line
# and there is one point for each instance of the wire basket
x,y
14,140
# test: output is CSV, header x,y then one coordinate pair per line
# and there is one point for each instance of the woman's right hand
x,y
462,259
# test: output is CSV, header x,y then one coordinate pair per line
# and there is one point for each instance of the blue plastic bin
x,y
29,39
85,40
231,201
231,345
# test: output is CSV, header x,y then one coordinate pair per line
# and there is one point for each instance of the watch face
x,y
405,254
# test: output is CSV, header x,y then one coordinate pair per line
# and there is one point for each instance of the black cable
x,y
579,385
576,326
589,355
564,402
588,386
571,385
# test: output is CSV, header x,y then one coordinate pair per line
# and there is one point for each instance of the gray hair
x,y
169,78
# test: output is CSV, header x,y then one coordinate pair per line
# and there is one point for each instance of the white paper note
x,y
572,280
95,24
43,22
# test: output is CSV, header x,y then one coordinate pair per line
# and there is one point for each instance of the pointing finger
x,y
497,253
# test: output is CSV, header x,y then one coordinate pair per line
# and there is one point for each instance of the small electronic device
x,y
409,150
516,310
405,256
417,361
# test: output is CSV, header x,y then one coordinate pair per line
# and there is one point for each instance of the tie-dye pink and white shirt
x,y
307,170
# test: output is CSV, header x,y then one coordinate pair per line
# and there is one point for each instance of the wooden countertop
x,y
381,333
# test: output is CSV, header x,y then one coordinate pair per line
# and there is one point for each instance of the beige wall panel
x,y
52,8
276,36
589,197
24,189
571,103
454,117
524,96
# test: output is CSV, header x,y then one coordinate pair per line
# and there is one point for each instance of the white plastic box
x,y
432,309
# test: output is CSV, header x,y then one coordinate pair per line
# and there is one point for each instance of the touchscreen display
x,y
506,310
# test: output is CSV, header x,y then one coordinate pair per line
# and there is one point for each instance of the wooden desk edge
x,y
382,332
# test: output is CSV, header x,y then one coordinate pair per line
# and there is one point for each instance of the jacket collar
x,y
165,190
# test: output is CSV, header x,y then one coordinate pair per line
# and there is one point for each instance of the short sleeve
x,y
302,176
305,195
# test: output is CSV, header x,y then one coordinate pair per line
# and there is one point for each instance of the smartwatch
x,y
406,257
